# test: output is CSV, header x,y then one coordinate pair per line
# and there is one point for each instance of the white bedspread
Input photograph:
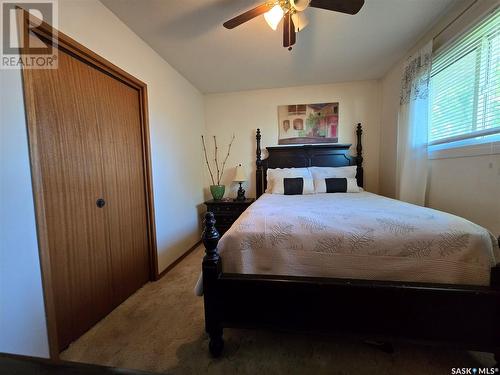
x,y
357,235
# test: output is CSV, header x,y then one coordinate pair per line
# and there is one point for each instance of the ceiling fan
x,y
291,13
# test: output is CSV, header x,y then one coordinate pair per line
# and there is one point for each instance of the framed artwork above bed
x,y
308,123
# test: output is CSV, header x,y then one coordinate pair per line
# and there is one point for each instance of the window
x,y
465,87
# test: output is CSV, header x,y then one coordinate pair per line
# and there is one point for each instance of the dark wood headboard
x,y
322,155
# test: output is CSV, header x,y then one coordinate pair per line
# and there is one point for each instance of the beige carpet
x,y
160,329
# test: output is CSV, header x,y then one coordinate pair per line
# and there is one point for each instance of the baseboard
x,y
177,261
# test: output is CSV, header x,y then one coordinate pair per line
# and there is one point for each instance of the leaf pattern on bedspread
x,y
397,227
417,249
312,225
253,241
280,232
296,246
380,252
373,235
329,245
360,239
453,242
341,214
321,214
243,226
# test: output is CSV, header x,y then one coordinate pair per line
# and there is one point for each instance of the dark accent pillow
x,y
293,186
336,185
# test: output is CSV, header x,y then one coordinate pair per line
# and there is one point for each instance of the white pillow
x,y
352,185
333,172
279,186
277,174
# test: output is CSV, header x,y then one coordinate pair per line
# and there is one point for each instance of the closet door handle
x,y
100,203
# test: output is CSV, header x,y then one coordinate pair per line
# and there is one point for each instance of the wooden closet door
x,y
124,184
65,144
86,139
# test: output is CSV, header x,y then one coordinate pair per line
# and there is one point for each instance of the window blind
x,y
465,85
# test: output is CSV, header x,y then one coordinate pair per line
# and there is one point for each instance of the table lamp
x,y
240,177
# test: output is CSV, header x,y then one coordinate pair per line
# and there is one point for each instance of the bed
x,y
353,264
361,235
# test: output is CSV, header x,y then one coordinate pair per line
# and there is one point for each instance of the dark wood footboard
x,y
453,315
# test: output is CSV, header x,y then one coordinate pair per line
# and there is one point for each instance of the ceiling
x,y
334,47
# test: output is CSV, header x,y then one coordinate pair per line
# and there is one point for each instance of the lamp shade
x,y
274,16
240,174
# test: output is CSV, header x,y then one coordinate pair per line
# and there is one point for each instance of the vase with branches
x,y
216,188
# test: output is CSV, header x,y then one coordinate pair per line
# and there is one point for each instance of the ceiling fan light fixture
x,y
299,5
291,12
274,16
299,21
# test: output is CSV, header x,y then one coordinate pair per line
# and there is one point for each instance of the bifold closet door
x,y
119,123
86,150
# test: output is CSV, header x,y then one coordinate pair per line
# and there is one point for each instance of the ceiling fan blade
x,y
288,31
247,16
343,6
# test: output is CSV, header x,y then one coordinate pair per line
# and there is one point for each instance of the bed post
x,y
495,276
212,269
359,156
258,162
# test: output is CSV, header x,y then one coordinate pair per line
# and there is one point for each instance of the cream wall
x,y
468,186
22,312
243,112
176,113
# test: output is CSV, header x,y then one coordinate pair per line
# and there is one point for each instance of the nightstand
x,y
227,211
